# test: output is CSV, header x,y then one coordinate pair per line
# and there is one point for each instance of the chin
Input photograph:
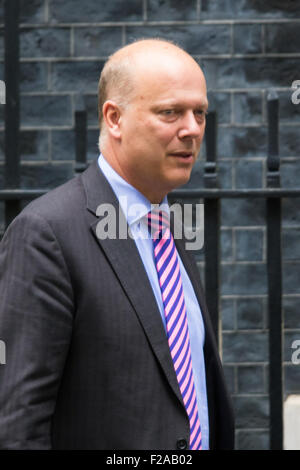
x,y
179,182
183,178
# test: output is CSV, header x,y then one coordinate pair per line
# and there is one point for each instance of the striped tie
x,y
167,265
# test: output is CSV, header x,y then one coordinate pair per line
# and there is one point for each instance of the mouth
x,y
183,156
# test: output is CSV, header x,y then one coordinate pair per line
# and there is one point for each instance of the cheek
x,y
167,140
160,133
203,131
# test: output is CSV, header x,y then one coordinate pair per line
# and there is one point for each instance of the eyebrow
x,y
175,103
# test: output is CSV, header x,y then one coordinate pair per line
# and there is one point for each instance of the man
x,y
85,318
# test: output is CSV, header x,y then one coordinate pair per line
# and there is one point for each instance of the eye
x,y
200,113
168,112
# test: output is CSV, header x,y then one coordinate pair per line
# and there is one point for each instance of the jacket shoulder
x,y
58,202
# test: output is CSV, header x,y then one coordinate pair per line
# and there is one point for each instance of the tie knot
x,y
158,222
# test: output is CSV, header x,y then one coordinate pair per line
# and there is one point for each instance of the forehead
x,y
169,82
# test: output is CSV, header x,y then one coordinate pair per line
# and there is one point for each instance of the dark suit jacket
x,y
87,360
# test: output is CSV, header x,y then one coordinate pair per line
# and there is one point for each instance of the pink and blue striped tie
x,y
167,265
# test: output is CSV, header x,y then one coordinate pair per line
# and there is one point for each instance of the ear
x,y
111,114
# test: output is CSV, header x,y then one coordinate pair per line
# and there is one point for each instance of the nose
x,y
190,127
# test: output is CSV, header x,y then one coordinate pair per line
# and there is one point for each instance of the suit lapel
x,y
124,259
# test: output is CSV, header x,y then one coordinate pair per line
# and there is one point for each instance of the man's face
x,y
163,127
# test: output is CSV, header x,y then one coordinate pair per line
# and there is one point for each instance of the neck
x,y
153,195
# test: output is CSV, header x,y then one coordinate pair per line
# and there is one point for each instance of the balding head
x,y
152,105
121,74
